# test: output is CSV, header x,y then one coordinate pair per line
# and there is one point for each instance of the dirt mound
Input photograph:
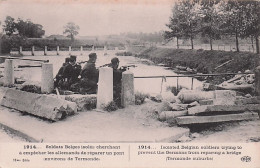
x,y
203,61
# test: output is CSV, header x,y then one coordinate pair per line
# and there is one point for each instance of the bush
x,y
9,42
90,104
111,106
31,88
140,97
124,54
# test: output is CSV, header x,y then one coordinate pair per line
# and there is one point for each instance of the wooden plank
x,y
214,119
223,108
223,64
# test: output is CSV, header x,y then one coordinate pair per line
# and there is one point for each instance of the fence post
x,y
47,84
105,87
128,94
58,50
32,50
9,72
105,50
81,50
45,50
93,48
192,83
69,50
20,50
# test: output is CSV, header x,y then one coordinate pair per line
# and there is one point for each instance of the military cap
x,y
114,60
92,55
73,57
67,59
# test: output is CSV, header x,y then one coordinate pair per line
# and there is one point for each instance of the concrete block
x,y
128,94
47,83
84,102
53,108
169,116
19,100
206,102
193,104
105,87
9,72
218,118
224,97
177,107
251,100
44,106
189,96
223,108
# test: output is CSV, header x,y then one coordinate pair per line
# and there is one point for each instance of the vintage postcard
x,y
129,83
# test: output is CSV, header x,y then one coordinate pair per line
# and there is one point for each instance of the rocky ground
x,y
142,117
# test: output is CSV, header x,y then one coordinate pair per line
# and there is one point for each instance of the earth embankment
x,y
204,61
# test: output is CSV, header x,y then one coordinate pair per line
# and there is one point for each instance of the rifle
x,y
6,57
105,65
28,66
126,67
81,62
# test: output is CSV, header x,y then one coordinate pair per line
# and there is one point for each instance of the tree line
x,y
17,32
214,19
24,28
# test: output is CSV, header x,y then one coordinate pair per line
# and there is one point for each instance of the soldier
x,y
71,72
59,77
117,80
89,76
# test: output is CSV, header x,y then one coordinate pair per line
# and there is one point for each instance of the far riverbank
x,y
203,61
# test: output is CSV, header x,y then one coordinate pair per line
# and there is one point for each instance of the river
x,y
144,85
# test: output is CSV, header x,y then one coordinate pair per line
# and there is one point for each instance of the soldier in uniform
x,y
71,73
89,76
117,80
59,77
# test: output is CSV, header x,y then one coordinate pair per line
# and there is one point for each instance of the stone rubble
x,y
218,106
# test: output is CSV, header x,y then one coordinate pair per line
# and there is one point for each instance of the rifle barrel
x,y
28,59
28,66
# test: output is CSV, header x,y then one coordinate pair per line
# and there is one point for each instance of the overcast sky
x,y
93,18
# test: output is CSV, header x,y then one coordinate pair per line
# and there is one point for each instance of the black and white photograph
x,y
130,71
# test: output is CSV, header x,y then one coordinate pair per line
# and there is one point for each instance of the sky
x,y
101,17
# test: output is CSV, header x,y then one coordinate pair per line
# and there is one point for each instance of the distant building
x,y
58,37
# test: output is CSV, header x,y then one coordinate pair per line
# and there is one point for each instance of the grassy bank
x,y
203,61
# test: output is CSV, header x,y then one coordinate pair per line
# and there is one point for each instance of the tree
x,y
189,19
174,25
29,29
71,29
210,20
10,25
251,22
23,28
233,19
